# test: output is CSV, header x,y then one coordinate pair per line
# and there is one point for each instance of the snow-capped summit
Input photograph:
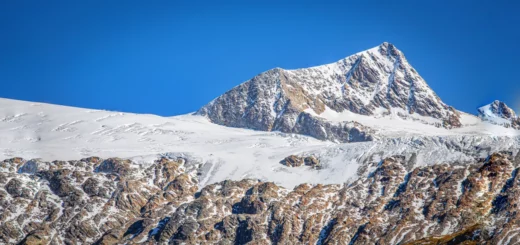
x,y
499,113
497,109
378,82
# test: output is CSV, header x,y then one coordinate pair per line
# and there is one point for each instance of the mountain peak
x,y
496,109
388,47
377,82
385,49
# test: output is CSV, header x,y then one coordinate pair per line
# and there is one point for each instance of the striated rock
x,y
292,161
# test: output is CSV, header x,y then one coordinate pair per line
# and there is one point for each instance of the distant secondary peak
x,y
497,109
386,45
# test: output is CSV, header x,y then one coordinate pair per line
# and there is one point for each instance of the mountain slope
x,y
118,201
377,82
51,132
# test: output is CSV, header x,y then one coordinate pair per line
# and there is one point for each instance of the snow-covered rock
x,y
378,82
499,113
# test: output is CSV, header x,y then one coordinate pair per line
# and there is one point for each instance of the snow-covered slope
x,y
36,130
378,82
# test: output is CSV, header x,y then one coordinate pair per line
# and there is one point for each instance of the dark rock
x,y
90,186
115,166
14,187
312,161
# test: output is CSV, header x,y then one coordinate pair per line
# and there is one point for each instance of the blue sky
x,y
172,57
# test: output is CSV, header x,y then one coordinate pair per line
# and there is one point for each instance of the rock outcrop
x,y
292,161
297,161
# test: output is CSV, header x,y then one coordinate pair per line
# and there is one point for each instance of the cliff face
x,y
376,82
115,201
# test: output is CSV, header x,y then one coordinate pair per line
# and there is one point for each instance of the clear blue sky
x,y
172,57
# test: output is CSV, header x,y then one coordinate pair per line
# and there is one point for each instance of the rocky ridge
x,y
116,201
376,82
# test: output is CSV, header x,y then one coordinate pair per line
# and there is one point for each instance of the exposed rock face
x,y
90,200
499,113
375,82
312,161
292,161
73,202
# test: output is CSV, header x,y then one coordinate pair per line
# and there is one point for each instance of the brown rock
x,y
292,161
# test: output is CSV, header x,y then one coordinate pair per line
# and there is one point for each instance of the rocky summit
x,y
375,82
360,151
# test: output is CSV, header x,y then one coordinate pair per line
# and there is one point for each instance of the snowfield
x,y
52,132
